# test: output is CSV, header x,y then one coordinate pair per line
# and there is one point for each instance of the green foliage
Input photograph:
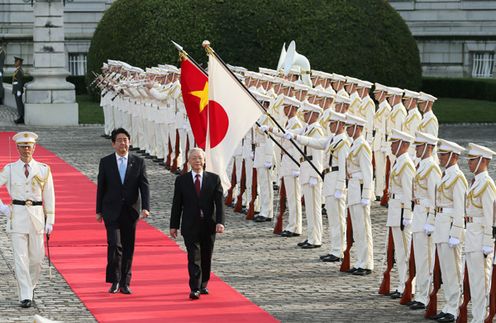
x,y
90,111
364,39
469,88
79,82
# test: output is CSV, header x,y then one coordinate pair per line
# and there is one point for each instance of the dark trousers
x,y
120,247
20,105
200,248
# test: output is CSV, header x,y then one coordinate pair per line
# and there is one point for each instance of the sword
x,y
48,256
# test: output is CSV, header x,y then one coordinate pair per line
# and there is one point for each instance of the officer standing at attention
x,y
18,89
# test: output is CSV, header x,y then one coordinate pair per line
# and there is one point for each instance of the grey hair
x,y
196,149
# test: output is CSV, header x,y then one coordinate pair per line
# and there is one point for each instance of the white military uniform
x,y
448,224
380,146
411,126
399,209
426,182
26,223
360,190
480,222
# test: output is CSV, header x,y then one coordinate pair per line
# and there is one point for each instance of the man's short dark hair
x,y
117,131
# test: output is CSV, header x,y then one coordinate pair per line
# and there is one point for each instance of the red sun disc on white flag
x,y
219,123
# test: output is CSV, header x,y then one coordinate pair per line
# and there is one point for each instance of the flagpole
x,y
209,50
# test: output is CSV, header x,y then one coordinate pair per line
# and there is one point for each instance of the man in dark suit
x,y
18,88
122,182
198,199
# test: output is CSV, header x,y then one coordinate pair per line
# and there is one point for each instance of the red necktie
x,y
197,184
26,170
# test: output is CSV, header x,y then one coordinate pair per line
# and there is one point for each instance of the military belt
x,y
27,203
330,170
302,159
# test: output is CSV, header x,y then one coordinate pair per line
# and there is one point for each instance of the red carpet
x,y
160,279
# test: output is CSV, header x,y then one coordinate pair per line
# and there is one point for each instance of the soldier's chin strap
x,y
449,159
398,149
478,165
423,152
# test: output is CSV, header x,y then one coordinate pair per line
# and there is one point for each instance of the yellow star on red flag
x,y
203,95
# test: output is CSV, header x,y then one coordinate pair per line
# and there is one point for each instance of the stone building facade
x,y
456,38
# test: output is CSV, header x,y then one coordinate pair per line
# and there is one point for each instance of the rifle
x,y
385,194
431,309
463,309
345,264
251,209
282,208
242,188
185,165
492,293
384,289
229,197
169,154
407,292
176,154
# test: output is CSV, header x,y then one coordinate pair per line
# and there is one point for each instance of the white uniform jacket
x,y
359,171
401,190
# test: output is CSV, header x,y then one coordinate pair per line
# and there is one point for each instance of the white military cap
x,y
114,62
267,77
445,146
291,100
295,70
330,90
316,90
342,99
336,116
254,75
105,66
261,96
25,138
394,91
425,138
400,135
321,74
351,80
267,71
309,107
365,84
237,69
278,80
338,77
301,86
426,97
379,87
411,94
326,94
354,120
475,151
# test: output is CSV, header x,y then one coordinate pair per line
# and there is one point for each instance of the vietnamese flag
x,y
194,88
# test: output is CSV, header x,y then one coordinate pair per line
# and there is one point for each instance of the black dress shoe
x,y
438,316
352,270
324,256
195,294
126,290
26,303
330,258
362,272
395,294
20,121
299,244
310,246
114,288
262,219
417,306
447,318
204,291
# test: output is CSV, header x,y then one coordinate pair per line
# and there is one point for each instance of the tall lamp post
x,y
50,99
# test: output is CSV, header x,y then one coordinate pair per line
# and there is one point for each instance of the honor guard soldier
x,y
18,88
447,226
290,171
367,109
429,123
310,180
413,117
32,212
380,145
400,204
479,242
360,190
337,83
398,113
425,185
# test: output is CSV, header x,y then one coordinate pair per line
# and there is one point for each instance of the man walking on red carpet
x,y
32,211
122,181
198,199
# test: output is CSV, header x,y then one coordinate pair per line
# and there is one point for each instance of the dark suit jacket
x,y
112,195
19,78
187,204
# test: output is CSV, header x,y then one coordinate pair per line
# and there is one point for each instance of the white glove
x,y
295,173
4,209
487,250
453,242
288,135
338,194
407,222
267,165
263,128
428,229
384,149
312,181
19,93
365,202
48,228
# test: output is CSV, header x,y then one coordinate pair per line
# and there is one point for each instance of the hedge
x,y
364,39
78,81
466,88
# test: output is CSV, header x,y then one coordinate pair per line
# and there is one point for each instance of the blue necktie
x,y
122,169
